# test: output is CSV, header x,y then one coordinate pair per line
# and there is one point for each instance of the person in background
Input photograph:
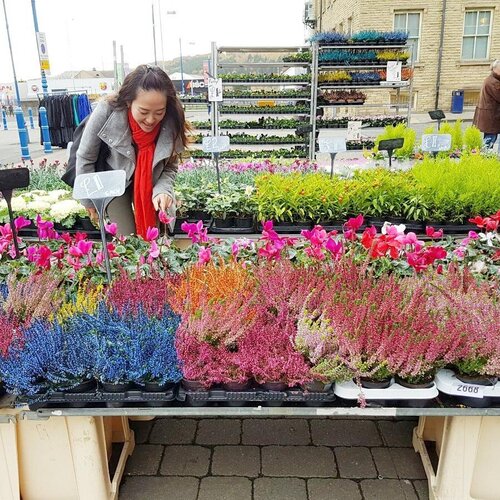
x,y
11,110
487,115
145,128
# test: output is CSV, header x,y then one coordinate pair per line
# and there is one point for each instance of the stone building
x,y
454,41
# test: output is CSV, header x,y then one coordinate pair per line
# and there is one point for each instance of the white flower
x,y
18,204
249,190
479,267
65,208
400,228
38,206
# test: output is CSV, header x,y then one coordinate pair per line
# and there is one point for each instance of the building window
x,y
471,97
477,31
410,22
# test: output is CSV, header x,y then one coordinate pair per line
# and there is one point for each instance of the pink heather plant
x,y
9,331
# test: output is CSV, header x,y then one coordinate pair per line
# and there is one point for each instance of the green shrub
x,y
473,139
399,131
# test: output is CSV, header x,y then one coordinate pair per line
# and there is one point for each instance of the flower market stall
x,y
384,301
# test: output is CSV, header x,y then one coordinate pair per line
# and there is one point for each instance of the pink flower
x,y
459,252
45,229
111,228
473,235
74,263
164,218
315,252
432,233
317,236
196,232
354,223
268,233
152,233
21,222
334,247
154,250
80,249
204,256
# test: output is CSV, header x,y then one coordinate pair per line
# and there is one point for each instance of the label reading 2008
x,y
473,391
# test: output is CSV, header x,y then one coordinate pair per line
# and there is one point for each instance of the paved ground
x,y
274,459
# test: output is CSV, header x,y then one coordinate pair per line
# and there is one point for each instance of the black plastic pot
x,y
409,385
243,222
197,215
224,223
274,386
157,387
192,385
85,386
115,388
178,224
85,224
237,386
375,384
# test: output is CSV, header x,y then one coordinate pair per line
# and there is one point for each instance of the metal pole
x,y
21,124
45,86
30,114
4,120
215,104
115,66
122,65
154,34
161,37
182,71
440,56
23,133
47,146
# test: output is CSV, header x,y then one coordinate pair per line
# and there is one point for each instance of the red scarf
x,y
145,214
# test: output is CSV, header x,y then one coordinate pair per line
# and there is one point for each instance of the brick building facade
x,y
454,40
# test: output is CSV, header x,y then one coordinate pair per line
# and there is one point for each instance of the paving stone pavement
x,y
274,459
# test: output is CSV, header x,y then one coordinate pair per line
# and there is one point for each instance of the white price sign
x,y
436,142
215,89
469,390
354,130
216,144
332,145
394,69
99,185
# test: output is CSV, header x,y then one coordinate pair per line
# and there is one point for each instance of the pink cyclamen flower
x,y
152,233
432,233
21,222
204,256
154,250
354,223
82,248
334,247
45,229
164,218
111,228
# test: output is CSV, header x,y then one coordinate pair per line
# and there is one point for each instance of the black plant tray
x,y
99,399
231,230
254,396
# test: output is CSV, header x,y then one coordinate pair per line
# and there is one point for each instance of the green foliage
x,y
396,132
456,190
473,139
296,197
456,134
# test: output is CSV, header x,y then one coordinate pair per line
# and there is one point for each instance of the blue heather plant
x,y
135,347
48,359
4,290
365,77
330,37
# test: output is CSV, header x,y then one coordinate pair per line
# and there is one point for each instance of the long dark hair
x,y
148,77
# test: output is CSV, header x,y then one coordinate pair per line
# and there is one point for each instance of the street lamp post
x,y
45,86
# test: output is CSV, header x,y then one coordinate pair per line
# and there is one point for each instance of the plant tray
x,y
474,395
100,398
256,395
231,230
350,390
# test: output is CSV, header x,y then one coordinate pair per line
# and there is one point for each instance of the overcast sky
x,y
80,32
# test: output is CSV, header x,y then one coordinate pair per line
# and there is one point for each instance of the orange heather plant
x,y
215,281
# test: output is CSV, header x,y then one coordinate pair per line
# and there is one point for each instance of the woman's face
x,y
149,108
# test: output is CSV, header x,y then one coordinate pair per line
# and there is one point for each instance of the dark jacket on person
x,y
487,115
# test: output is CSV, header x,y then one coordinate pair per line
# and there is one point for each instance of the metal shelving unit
x,y
218,65
317,68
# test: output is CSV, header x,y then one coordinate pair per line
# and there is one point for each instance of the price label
x,y
99,185
354,130
14,178
469,390
216,144
332,145
436,142
394,70
215,89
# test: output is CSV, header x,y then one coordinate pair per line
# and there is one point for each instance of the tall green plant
x,y
395,132
473,139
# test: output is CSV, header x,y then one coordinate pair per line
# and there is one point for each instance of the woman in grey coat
x,y
145,129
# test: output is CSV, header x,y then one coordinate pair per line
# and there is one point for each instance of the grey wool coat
x,y
111,126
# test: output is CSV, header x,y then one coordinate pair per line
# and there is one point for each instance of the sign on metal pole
x,y
216,145
332,145
100,188
42,51
215,89
435,143
354,130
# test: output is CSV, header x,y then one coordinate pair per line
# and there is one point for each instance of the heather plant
x,y
47,358
10,331
36,297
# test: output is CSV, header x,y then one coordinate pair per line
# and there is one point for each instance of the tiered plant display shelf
x,y
342,74
268,104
